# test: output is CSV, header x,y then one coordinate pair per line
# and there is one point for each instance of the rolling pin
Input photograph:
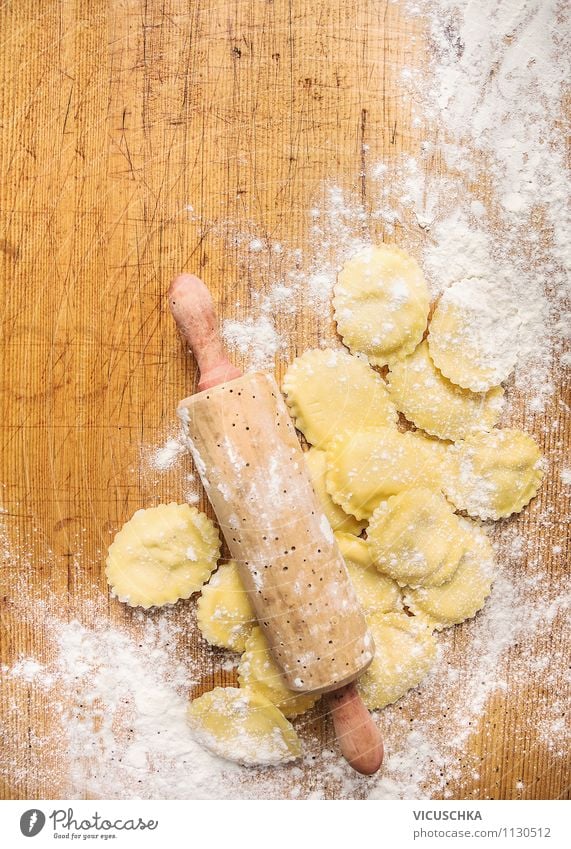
x,y
249,459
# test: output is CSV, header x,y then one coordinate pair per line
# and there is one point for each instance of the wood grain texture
x,y
116,116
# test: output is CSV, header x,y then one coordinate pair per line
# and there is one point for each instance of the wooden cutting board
x,y
118,116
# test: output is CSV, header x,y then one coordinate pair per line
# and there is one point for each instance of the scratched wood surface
x,y
117,116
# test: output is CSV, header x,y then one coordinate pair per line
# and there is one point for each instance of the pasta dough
x,y
162,554
243,726
416,538
492,475
461,597
431,401
224,613
339,520
354,550
258,671
471,338
381,304
432,447
367,466
376,593
327,391
405,651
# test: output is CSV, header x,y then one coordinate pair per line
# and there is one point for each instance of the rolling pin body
x,y
249,458
357,734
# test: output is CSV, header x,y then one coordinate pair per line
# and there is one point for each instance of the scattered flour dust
x,y
255,339
493,97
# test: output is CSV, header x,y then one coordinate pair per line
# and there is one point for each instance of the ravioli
x,y
381,303
339,520
433,447
327,391
416,538
432,402
258,671
162,554
471,336
367,466
465,594
492,475
243,726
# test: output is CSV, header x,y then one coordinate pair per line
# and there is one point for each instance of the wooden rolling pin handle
x,y
193,310
359,738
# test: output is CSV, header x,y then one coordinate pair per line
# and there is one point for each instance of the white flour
x,y
495,93
167,455
501,70
487,328
122,696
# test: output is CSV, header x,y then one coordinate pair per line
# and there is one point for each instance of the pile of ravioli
x,y
392,487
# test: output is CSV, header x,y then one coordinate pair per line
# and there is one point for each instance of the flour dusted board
x,y
112,130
